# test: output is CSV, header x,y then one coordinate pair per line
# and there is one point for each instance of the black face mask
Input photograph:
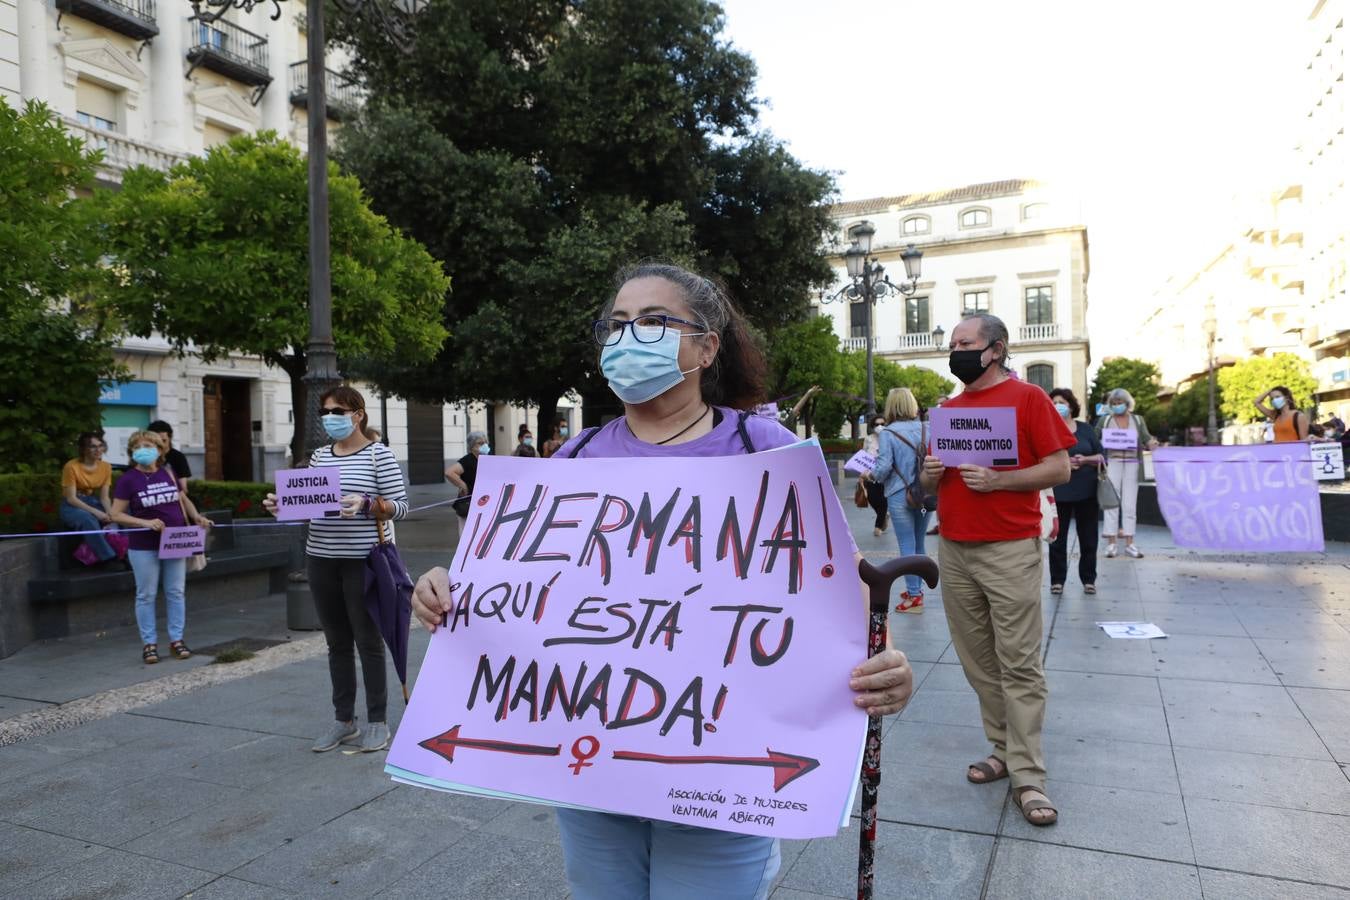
x,y
966,365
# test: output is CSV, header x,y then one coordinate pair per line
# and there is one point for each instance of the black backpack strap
x,y
584,440
743,431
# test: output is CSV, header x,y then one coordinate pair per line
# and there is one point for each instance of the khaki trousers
x,y
991,591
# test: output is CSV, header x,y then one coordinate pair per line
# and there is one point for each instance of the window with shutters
x,y
96,106
1042,375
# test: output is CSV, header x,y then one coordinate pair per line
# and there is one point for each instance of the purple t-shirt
x,y
614,439
149,496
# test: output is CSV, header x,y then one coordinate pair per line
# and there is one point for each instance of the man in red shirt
x,y
990,560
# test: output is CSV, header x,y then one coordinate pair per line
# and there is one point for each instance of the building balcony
x,y
857,343
134,18
1030,334
341,95
121,152
228,50
921,341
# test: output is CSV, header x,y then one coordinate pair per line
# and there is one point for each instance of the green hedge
x,y
841,445
30,502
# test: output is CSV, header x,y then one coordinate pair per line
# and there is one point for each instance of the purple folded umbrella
x,y
389,602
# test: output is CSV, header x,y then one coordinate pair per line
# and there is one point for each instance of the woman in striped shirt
x,y
337,547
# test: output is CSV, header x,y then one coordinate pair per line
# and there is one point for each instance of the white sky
x,y
1154,112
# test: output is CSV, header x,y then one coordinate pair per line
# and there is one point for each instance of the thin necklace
x,y
702,415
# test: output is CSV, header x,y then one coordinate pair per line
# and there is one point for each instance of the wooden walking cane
x,y
879,580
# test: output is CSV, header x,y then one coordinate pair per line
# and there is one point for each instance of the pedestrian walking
x,y
1289,422
372,496
682,360
902,443
464,471
876,495
147,496
86,482
990,561
1124,467
1076,500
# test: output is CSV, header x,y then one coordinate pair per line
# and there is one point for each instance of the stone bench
x,y
65,598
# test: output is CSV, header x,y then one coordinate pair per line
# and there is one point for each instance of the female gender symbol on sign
x,y
581,756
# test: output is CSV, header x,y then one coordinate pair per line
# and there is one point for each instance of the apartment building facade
x,y
1016,249
150,84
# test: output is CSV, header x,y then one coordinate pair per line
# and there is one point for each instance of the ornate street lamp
x,y
938,335
868,282
396,20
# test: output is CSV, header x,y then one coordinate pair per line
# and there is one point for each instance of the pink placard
x,y
665,638
1120,438
1257,498
860,462
183,541
982,436
309,493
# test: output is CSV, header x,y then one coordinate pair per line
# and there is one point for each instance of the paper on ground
x,y
1131,630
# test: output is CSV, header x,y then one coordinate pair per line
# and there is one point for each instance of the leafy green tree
x,y
536,145
804,354
54,352
214,253
1243,382
843,407
1138,377
1188,409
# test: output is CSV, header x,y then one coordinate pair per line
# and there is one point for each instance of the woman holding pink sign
x,y
681,358
147,497
1125,436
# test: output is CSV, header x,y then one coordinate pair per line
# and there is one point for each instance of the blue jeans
x,y
911,526
148,567
612,857
77,519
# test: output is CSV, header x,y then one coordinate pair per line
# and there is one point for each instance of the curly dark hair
x,y
1069,398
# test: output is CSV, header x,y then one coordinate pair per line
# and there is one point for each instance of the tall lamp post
x,y
396,19
868,281
1211,326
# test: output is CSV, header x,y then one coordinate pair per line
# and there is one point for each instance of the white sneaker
x,y
374,738
1110,551
1132,551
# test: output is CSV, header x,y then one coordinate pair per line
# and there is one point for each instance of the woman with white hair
x,y
464,472
1123,464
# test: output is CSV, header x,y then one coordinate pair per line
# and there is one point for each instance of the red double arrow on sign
x,y
444,744
787,767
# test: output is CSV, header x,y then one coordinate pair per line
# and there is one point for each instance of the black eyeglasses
x,y
646,329
335,411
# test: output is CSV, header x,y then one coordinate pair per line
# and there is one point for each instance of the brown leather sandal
x,y
180,650
1031,806
987,772
150,654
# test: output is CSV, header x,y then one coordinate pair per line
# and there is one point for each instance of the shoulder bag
x,y
915,496
1107,495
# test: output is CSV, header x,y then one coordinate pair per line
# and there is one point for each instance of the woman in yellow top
x,y
1290,422
85,501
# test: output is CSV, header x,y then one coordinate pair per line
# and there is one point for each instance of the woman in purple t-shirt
x,y
679,356
147,496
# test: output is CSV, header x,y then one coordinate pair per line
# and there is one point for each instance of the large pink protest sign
x,y
182,541
308,493
984,436
1258,498
665,638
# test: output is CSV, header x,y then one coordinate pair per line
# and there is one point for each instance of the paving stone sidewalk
x,y
1209,764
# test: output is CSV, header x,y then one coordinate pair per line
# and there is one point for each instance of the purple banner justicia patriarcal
x,y
1257,498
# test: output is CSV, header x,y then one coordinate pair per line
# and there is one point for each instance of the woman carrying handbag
x,y
336,551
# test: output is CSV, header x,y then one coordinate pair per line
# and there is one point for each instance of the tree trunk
x,y
294,367
548,417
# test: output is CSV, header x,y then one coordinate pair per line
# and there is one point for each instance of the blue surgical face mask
x,y
1277,401
1119,408
1063,409
528,442
638,372
485,449
562,432
145,456
338,427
